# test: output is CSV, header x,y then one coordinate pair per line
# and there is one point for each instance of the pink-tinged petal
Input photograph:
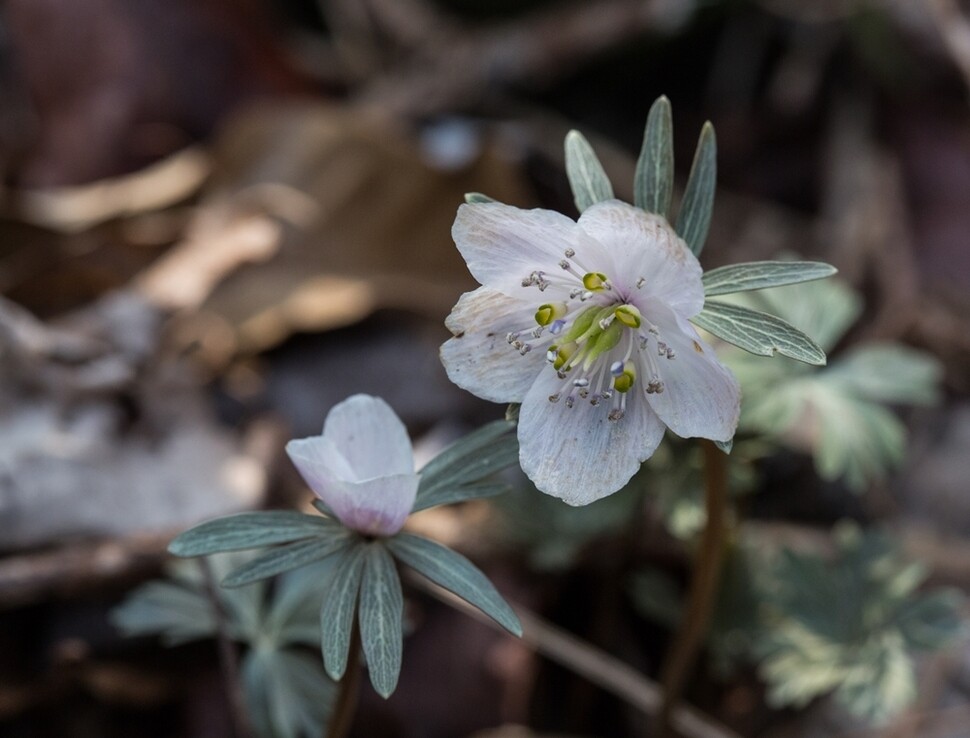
x,y
479,358
319,462
370,436
577,454
701,397
503,245
643,245
376,507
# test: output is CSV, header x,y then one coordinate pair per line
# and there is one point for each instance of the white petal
x,y
576,453
644,245
374,506
701,397
479,358
503,245
370,436
319,462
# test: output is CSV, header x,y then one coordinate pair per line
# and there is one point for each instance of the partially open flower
x,y
361,466
586,324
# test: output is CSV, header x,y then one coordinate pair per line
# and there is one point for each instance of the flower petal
x,y
376,506
319,462
701,397
577,454
370,436
502,244
479,358
642,244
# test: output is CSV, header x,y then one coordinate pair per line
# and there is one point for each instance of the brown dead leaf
x,y
379,236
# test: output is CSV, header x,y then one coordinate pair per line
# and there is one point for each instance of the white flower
x,y
362,466
586,325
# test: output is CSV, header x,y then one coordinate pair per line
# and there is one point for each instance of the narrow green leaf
x,y
587,177
455,573
758,275
289,557
381,619
489,449
758,333
477,197
694,217
653,183
461,493
250,530
337,613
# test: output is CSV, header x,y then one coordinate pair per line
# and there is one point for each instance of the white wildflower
x,y
362,466
586,324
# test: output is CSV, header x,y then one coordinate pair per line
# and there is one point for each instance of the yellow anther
x,y
550,311
594,281
626,379
628,315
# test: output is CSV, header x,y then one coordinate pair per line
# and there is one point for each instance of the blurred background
x,y
218,218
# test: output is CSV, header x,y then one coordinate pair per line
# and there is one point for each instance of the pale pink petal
x,y
576,453
701,397
376,507
479,358
643,245
370,436
503,245
319,461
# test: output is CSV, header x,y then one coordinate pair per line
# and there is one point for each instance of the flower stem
x,y
346,703
228,663
703,587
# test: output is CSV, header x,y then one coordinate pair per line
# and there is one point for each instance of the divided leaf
x,y
694,217
287,693
452,475
758,275
758,333
337,613
455,573
381,619
653,182
587,178
289,557
250,530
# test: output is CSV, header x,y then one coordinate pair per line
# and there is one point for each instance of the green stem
x,y
228,663
346,703
703,587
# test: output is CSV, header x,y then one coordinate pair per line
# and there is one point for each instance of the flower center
x,y
597,341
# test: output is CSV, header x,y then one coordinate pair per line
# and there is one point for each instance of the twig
x,y
38,576
542,47
703,589
346,704
584,659
228,663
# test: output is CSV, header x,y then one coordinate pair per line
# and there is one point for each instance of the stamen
x,y
570,253
629,315
557,326
570,401
582,382
595,281
555,397
640,282
551,311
